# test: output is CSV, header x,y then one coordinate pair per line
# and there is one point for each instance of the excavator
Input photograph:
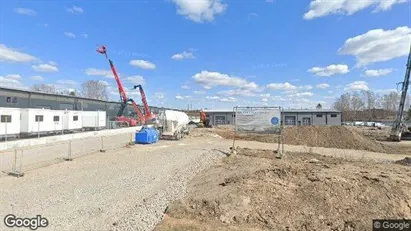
x,y
125,100
400,130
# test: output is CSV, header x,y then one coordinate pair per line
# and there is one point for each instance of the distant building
x,y
30,99
291,117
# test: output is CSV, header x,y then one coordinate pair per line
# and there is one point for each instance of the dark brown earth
x,y
254,191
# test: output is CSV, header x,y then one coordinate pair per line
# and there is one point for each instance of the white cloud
x,y
229,99
306,87
320,8
200,10
99,72
185,87
25,11
69,34
212,79
267,95
207,87
330,70
142,64
301,94
11,81
281,86
181,97
212,97
236,92
45,68
264,99
357,85
378,72
159,95
136,79
75,10
323,85
37,78
84,35
12,55
378,45
199,92
183,55
66,82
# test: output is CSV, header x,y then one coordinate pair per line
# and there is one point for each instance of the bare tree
x,y
94,89
46,88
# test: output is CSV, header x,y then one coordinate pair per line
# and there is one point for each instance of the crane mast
x,y
398,127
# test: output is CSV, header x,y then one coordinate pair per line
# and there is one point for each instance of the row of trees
x,y
92,89
368,105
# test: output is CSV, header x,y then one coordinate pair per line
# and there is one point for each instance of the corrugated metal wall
x,y
26,99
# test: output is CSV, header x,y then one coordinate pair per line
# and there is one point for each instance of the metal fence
x,y
19,160
259,120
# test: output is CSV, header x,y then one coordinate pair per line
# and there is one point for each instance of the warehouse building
x,y
15,98
290,117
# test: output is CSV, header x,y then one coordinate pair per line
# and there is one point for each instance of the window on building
x,y
6,118
75,118
333,115
56,118
8,99
14,99
319,115
39,118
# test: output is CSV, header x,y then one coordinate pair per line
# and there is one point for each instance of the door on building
x,y
290,120
306,121
219,120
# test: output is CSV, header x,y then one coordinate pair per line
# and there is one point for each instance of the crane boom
x,y
123,94
398,126
147,110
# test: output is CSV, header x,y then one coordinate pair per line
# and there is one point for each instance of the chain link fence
x,y
19,160
260,121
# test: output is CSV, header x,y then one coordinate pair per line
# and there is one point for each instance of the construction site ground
x,y
308,189
315,186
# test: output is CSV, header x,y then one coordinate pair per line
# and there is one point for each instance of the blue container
x,y
147,136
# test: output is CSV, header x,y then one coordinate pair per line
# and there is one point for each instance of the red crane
x,y
148,115
123,96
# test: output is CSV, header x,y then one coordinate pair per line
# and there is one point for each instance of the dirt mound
x,y
314,136
255,191
330,137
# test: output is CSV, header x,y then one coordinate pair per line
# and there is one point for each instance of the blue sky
x,y
209,53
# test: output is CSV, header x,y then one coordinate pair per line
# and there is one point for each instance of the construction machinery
x,y
148,116
400,129
123,96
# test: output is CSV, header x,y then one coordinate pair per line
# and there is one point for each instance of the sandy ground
x,y
255,191
310,188
125,189
129,188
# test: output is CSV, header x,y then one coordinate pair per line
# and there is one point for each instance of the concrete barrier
x,y
59,138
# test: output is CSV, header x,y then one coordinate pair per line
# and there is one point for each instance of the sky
x,y
209,53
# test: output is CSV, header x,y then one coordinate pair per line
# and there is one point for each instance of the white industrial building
x,y
290,117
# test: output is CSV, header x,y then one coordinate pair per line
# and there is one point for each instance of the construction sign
x,y
258,119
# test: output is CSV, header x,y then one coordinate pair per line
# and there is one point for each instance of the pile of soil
x,y
255,191
330,137
340,137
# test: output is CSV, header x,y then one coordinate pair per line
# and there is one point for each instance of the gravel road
x,y
126,189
